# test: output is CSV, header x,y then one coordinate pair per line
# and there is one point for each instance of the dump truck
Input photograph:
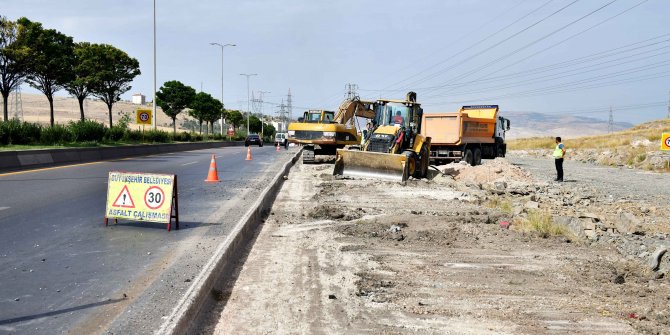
x,y
394,149
322,132
471,134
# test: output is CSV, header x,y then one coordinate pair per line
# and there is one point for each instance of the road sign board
x,y
231,131
141,197
665,141
143,116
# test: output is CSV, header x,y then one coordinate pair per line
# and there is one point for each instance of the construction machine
x,y
394,149
322,132
472,133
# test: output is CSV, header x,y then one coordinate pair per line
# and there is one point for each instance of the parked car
x,y
253,139
281,139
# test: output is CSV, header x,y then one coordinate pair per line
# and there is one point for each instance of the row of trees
x,y
50,61
174,97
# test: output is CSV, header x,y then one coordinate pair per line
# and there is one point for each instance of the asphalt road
x,y
60,266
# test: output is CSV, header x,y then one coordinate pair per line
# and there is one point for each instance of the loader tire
x,y
468,157
424,160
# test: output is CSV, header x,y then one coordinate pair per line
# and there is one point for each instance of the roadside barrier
x,y
32,159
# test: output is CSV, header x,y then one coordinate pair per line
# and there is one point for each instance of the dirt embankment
x,y
437,256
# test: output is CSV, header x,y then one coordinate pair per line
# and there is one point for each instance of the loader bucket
x,y
375,165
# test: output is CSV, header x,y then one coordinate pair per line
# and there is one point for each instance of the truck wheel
x,y
477,157
468,157
499,151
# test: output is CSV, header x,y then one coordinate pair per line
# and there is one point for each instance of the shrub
x,y
115,133
55,135
196,137
542,224
157,136
132,136
182,137
87,130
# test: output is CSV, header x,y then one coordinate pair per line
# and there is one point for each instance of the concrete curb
x,y
224,258
32,159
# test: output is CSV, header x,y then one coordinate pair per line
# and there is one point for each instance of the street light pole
x,y
248,101
222,46
153,114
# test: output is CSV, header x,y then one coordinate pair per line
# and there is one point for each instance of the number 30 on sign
x,y
139,196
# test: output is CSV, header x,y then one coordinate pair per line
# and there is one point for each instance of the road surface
x,y
63,271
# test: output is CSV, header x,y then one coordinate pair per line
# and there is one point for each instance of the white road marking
x,y
188,163
3,208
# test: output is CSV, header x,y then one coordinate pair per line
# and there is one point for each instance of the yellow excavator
x,y
394,148
322,132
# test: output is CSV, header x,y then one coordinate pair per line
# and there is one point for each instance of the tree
x,y
115,72
205,108
214,113
269,130
255,124
13,58
88,61
234,117
173,97
51,58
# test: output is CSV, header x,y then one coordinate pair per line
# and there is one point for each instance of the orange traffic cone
x,y
249,153
278,145
213,175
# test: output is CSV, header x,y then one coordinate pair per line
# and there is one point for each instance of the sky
x,y
577,57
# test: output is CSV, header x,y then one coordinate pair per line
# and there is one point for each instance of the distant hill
x,y
525,125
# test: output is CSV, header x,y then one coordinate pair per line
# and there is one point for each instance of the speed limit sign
x,y
154,197
143,116
665,141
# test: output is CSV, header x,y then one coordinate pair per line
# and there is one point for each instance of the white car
x,y
281,139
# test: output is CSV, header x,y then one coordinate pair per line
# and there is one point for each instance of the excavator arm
x,y
351,108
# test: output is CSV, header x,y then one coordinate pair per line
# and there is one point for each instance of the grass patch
x,y
503,205
540,223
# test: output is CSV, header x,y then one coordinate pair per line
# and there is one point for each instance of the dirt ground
x,y
343,256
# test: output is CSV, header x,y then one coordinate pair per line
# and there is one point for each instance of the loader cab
x,y
402,114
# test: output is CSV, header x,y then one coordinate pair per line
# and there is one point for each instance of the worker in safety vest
x,y
559,153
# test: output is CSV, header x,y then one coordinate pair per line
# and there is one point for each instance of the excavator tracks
x,y
308,154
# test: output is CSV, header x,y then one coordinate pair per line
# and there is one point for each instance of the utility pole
x,y
289,106
282,117
610,123
153,103
248,98
351,91
259,102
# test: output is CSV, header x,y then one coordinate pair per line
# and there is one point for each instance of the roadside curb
x,y
32,159
224,258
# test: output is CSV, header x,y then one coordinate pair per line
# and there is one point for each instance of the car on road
x,y
253,139
281,139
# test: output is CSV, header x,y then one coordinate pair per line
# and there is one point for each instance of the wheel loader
x,y
323,132
394,149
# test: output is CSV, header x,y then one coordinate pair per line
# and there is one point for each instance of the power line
x,y
545,78
596,110
471,57
468,48
561,89
556,66
533,42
